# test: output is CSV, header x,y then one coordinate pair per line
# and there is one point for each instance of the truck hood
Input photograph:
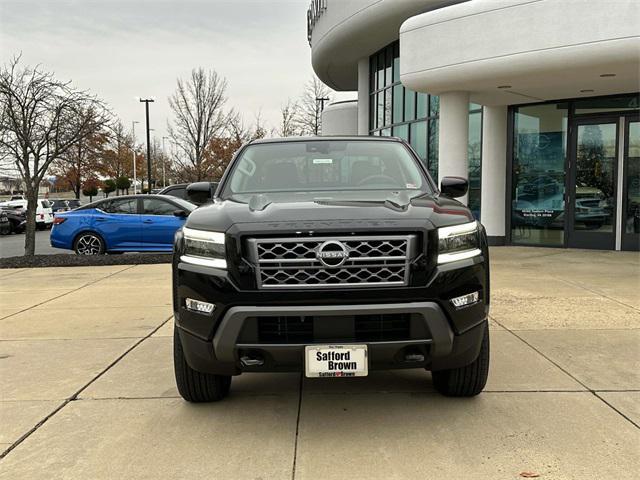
x,y
291,211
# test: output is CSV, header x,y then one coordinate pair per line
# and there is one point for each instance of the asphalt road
x,y
13,245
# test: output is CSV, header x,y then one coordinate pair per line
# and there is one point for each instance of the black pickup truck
x,y
331,256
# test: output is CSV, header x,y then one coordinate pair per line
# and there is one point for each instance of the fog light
x,y
465,300
199,307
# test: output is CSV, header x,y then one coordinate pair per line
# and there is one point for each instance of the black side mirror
x,y
180,214
199,192
454,187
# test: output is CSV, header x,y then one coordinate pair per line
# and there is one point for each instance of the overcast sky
x,y
120,49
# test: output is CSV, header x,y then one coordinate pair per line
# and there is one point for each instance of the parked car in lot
x,y
198,192
5,225
331,256
16,217
133,223
64,204
44,212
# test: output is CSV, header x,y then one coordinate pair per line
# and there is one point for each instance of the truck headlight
x,y
203,248
458,242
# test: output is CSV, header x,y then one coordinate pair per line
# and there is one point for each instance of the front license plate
x,y
336,361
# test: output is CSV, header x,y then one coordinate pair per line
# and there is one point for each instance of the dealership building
x,y
536,102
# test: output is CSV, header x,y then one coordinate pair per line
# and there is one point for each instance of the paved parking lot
x,y
13,245
87,387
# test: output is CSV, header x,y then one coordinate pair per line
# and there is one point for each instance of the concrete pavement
x,y
87,388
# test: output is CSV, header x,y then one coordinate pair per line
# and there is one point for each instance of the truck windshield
x,y
326,165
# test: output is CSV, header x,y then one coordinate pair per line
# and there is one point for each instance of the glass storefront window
x,y
409,105
387,70
398,103
595,168
419,139
631,217
474,155
433,149
434,105
538,182
422,110
400,112
401,131
387,106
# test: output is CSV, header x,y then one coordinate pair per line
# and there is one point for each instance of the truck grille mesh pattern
x,y
361,328
332,261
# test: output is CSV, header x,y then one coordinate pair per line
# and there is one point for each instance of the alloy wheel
x,y
89,245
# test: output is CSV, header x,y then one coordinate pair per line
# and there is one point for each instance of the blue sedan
x,y
135,223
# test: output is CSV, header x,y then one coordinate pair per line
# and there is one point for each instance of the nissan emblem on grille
x,y
332,262
332,253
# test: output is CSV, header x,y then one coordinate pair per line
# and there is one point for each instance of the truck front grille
x,y
350,261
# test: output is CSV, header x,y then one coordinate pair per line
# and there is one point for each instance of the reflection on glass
x,y
594,205
398,103
632,213
433,149
434,105
372,112
423,103
396,69
409,105
475,153
419,139
388,64
380,109
380,83
401,131
537,192
387,106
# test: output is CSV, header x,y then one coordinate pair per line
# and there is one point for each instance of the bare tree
x,y
220,149
311,102
40,120
289,120
198,105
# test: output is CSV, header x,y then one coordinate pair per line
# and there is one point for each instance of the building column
x,y
494,173
453,141
363,96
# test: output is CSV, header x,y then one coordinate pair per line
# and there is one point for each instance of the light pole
x,y
133,149
318,114
164,153
146,102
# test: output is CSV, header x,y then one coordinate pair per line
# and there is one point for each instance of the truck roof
x,y
326,138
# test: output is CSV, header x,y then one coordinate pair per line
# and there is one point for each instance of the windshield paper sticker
x,y
322,161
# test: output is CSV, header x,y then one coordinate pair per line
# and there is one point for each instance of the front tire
x,y
196,386
466,381
88,244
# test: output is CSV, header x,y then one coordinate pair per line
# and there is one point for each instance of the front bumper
x,y
449,337
444,351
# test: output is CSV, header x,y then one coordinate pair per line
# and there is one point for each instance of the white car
x,y
44,212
